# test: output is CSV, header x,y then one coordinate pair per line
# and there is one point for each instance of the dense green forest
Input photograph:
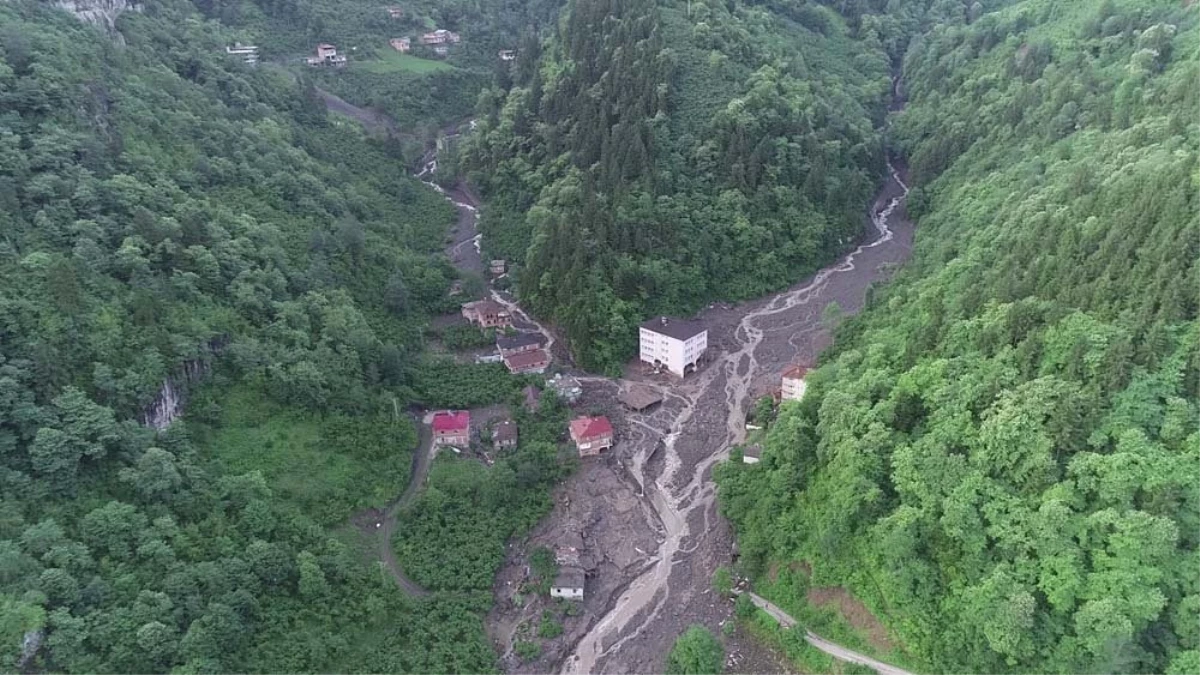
x,y
658,155
1000,455
166,210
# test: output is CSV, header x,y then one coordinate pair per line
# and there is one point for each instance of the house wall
x,y
793,389
675,355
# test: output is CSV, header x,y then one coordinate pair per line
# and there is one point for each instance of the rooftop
x,y
569,577
531,359
519,340
451,420
505,430
680,329
590,427
639,397
795,372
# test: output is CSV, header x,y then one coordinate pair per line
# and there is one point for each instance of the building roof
x,y
569,577
639,397
590,427
795,372
532,396
451,420
680,329
519,340
522,360
505,430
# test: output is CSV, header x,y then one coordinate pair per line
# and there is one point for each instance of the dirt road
x,y
834,650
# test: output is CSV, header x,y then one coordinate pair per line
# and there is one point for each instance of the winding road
x,y
671,451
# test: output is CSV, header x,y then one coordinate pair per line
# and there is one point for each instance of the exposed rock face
x,y
103,13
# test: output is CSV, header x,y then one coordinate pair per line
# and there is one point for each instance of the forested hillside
x,y
1000,456
165,210
658,155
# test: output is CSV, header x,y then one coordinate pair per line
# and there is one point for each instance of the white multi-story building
x,y
674,344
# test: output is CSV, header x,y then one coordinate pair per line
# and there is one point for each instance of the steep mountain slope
x,y
165,210
659,155
1000,455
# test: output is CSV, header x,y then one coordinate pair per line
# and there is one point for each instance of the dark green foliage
x,y
656,160
696,652
1000,456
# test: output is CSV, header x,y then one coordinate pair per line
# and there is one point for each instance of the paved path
x,y
836,651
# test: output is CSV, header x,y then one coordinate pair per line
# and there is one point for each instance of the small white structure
x,y
674,344
568,584
792,385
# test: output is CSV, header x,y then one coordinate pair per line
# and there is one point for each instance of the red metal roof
x,y
449,420
583,428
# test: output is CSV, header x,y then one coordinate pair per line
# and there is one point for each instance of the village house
x,y
752,454
535,361
638,397
440,36
532,398
591,435
672,344
497,267
568,584
521,342
792,386
451,427
327,56
402,45
247,53
508,54
487,314
395,12
504,435
566,387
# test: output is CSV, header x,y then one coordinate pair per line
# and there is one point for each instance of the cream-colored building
x,y
674,344
792,386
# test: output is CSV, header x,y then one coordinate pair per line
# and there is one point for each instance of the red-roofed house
x,y
452,427
793,383
591,435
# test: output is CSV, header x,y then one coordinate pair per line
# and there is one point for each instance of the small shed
x,y
568,584
504,435
639,397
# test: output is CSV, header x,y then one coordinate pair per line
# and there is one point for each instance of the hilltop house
x,y
792,386
327,56
568,584
487,313
247,53
402,45
440,36
535,361
504,435
674,344
452,427
521,342
591,435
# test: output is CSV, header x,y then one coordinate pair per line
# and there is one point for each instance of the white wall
x,y
676,355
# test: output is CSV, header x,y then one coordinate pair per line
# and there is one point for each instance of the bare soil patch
x,y
854,611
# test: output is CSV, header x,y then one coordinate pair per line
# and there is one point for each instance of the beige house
x,y
792,384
